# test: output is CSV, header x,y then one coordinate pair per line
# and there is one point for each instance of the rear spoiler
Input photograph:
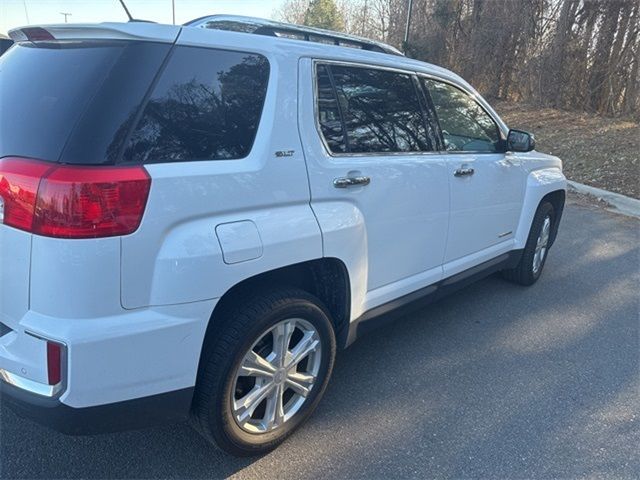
x,y
101,31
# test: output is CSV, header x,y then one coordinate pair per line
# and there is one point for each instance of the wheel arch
x,y
546,184
325,278
556,199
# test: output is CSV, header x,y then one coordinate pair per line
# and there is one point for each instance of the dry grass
x,y
598,151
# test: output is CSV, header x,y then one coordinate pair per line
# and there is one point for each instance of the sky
x,y
18,13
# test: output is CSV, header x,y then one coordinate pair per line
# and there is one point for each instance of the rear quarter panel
x,y
176,256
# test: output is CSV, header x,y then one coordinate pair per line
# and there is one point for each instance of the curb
x,y
619,203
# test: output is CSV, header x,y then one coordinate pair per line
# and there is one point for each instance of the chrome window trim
x,y
407,71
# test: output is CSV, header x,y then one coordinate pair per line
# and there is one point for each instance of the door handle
x,y
464,171
344,182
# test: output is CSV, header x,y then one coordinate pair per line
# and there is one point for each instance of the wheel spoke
x,y
545,238
544,235
307,344
281,338
245,406
300,382
255,365
274,413
542,243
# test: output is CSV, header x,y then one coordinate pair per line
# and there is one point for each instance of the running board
x,y
390,311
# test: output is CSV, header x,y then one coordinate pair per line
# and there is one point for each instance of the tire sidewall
x,y
544,210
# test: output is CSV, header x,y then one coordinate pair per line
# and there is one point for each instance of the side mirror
x,y
519,141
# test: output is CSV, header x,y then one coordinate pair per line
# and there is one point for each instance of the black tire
x,y
524,273
242,327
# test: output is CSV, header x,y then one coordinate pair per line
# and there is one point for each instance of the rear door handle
x,y
344,182
464,171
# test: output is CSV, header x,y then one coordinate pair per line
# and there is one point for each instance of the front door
x,y
487,184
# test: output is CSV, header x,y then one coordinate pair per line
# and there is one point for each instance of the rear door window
x,y
380,109
206,105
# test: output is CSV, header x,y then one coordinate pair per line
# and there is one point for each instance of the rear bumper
x,y
143,412
126,371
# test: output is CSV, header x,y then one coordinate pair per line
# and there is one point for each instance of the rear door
x,y
487,185
372,161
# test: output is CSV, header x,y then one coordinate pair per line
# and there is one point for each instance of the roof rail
x,y
261,26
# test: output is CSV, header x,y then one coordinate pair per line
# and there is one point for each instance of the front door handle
x,y
344,182
464,171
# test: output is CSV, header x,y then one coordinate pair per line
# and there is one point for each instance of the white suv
x,y
194,219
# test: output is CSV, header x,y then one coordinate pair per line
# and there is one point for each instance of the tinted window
x,y
329,113
51,91
205,106
464,123
381,111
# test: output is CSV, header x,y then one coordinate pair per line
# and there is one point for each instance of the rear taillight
x,y
19,180
66,201
31,34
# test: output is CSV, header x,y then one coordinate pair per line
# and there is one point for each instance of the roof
x,y
261,26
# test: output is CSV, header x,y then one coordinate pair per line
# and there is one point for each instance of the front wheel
x,y
266,372
536,249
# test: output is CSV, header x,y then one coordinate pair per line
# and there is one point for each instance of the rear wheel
x,y
266,372
536,249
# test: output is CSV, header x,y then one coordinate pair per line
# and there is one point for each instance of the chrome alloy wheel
x,y
542,245
276,376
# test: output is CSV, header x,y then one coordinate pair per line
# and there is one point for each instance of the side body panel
x,y
183,251
485,206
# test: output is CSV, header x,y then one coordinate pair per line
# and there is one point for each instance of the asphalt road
x,y
497,381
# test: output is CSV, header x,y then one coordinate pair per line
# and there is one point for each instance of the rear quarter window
x,y
72,101
39,94
206,105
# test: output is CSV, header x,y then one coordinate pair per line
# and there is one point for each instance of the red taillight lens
x,y
19,180
89,202
35,34
72,201
54,362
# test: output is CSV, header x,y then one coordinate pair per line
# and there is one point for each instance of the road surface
x,y
497,381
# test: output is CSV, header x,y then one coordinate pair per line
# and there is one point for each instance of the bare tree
x,y
292,11
575,54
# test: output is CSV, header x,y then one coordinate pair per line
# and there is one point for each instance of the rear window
x,y
206,105
72,101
